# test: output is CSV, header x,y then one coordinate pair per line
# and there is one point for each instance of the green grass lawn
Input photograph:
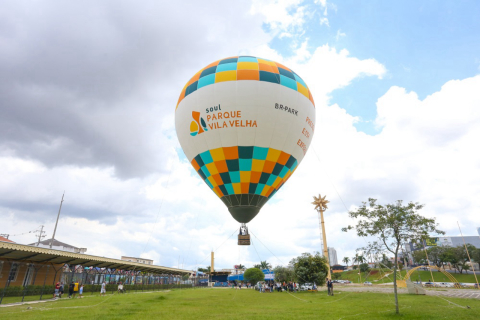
x,y
375,276
246,304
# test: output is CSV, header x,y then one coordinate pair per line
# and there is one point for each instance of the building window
x,y
13,272
28,275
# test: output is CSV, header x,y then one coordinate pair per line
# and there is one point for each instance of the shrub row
x,y
18,291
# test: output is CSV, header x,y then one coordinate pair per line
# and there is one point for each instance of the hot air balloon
x,y
245,124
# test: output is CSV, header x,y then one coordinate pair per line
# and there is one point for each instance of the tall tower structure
x,y
321,205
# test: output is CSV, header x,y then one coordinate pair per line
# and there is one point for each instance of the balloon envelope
x,y
245,124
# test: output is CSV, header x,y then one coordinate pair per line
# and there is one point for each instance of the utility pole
x,y
321,205
40,235
212,265
56,223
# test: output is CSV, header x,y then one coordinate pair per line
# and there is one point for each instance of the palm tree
x,y
361,259
265,265
346,260
240,266
355,259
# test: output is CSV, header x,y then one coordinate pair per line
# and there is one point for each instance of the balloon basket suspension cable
x,y
243,236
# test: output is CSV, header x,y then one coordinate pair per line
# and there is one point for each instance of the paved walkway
x,y
448,292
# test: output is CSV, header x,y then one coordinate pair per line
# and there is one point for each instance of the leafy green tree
x,y
206,270
475,255
447,255
460,258
436,255
393,224
364,267
310,268
240,266
373,250
253,275
265,265
400,266
419,257
284,273
336,275
346,260
386,262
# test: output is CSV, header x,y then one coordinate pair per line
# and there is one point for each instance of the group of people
x,y
330,287
279,287
270,286
73,289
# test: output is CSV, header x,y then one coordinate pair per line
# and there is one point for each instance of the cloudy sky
x,y
88,91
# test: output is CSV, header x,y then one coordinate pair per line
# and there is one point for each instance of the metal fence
x,y
39,280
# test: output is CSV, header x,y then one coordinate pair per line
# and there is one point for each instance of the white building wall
x,y
332,256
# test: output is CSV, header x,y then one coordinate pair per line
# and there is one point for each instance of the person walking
x,y
61,290
80,292
71,286
103,290
75,289
57,290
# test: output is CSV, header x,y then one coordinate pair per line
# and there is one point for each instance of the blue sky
x,y
87,105
423,44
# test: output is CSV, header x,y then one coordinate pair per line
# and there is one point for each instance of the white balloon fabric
x,y
245,124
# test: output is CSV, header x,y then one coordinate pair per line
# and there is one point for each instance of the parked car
x,y
306,286
367,283
445,285
430,284
459,285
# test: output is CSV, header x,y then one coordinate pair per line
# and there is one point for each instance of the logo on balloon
x,y
198,125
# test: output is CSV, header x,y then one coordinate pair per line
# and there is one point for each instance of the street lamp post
x,y
321,205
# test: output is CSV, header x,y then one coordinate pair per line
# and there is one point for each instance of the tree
x,y
336,275
240,266
346,260
364,267
253,275
419,257
435,255
386,262
310,268
373,250
460,257
475,255
205,270
284,273
393,224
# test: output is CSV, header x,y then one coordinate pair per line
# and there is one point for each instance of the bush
x,y
253,275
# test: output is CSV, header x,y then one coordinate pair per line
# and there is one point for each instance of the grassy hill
x,y
378,276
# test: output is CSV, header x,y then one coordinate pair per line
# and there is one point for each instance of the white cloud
x,y
425,151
